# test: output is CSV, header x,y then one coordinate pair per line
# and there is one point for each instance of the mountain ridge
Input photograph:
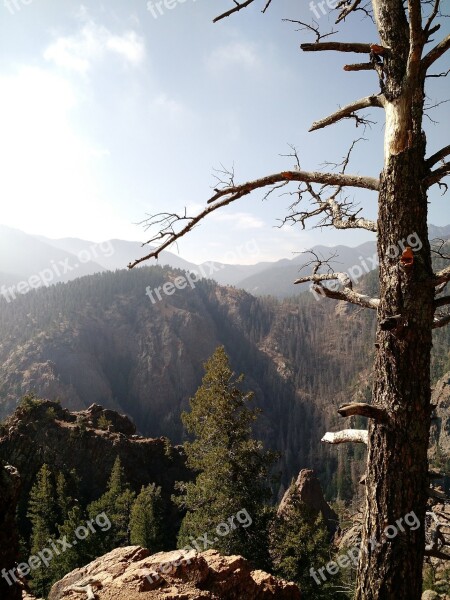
x,y
68,258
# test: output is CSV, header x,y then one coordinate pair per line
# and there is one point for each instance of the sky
x,y
113,112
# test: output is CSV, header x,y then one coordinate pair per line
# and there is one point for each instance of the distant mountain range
x,y
38,261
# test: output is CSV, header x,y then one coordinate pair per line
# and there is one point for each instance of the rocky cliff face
x,y
440,430
43,432
134,574
47,433
307,488
9,543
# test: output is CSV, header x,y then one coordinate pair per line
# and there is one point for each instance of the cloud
x,y
236,54
241,220
91,44
130,46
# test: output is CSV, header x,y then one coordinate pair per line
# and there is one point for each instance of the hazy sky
x,y
108,113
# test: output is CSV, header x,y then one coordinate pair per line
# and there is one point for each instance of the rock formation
x,y
440,430
44,432
134,574
309,491
88,443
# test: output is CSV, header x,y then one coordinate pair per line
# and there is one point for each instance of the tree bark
x,y
396,482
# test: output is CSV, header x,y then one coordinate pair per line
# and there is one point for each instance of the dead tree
x,y
402,55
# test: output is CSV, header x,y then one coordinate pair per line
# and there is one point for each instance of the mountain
x,y
100,339
278,279
28,261
23,255
435,232
38,261
116,254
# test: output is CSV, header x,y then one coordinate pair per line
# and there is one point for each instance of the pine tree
x,y
80,553
232,467
147,519
116,503
43,513
63,499
299,541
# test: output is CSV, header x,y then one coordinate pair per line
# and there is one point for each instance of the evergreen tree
x,y
299,541
232,467
43,513
116,503
63,499
147,519
80,553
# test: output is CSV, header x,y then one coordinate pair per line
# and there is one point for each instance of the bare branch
x,y
436,53
442,301
433,15
169,236
339,214
348,111
231,192
239,7
441,321
442,74
348,8
437,494
346,293
436,175
342,278
359,436
314,28
436,248
233,10
437,554
442,276
435,158
360,67
364,410
338,179
337,46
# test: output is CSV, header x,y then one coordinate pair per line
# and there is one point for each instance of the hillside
x,y
100,339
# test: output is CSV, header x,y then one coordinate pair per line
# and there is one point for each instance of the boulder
x,y
430,595
133,573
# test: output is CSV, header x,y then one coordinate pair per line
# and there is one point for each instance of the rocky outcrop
x,y
430,595
134,574
440,430
307,488
9,543
102,418
43,432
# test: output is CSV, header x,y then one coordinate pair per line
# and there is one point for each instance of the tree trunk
x,y
396,483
